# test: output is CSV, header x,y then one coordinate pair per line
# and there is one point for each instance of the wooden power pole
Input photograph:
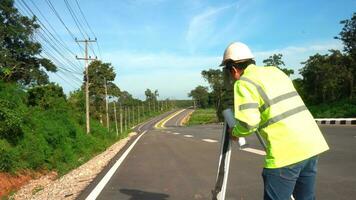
x,y
117,131
86,59
107,106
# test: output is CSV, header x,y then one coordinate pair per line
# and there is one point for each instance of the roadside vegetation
x,y
327,84
203,116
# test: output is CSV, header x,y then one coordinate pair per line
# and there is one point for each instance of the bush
x,y
341,109
7,156
47,96
12,108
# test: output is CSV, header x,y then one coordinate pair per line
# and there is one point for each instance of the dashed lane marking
x,y
175,133
209,140
256,151
188,136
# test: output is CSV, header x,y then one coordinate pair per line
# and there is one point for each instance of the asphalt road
x,y
181,163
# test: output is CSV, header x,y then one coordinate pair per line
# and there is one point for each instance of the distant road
x,y
181,162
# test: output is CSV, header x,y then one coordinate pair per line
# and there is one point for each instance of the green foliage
x,y
12,109
18,52
100,75
7,156
348,35
340,109
201,95
49,96
52,133
326,78
215,78
203,116
76,101
276,61
151,96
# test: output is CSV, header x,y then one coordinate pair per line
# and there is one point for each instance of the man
x,y
267,103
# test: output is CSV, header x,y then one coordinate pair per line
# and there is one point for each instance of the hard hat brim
x,y
223,63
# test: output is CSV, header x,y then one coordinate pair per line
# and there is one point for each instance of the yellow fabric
x,y
265,100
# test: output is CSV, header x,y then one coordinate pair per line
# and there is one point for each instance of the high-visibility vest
x,y
266,101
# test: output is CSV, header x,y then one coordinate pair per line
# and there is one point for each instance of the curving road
x,y
170,161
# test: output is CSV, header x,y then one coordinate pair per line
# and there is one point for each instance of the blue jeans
x,y
297,179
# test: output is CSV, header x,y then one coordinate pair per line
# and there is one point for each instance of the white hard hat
x,y
237,52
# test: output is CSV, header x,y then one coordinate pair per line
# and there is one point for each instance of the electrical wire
x,y
91,30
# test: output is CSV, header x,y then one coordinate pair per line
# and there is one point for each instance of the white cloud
x,y
203,25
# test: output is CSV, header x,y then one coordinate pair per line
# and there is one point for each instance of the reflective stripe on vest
x,y
268,102
248,106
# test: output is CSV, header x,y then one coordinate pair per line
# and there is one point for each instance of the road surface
x,y
170,161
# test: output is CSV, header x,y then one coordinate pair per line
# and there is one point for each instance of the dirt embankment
x,y
12,182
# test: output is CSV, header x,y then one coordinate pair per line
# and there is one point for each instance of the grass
x,y
203,116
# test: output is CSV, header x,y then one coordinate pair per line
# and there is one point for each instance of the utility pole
x,y
125,118
143,109
107,106
120,109
117,132
133,114
138,113
149,108
129,117
154,106
86,59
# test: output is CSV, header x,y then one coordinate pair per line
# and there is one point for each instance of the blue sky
x,y
165,44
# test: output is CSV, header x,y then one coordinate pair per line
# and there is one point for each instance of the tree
x,y
276,60
19,61
151,96
100,74
326,78
215,79
201,95
348,37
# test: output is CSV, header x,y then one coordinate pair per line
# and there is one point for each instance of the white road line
x,y
256,151
175,133
188,136
98,188
209,140
168,132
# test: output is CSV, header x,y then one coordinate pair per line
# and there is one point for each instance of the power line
x,y
62,70
78,24
43,37
53,29
74,79
47,37
91,30
61,20
49,54
75,18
